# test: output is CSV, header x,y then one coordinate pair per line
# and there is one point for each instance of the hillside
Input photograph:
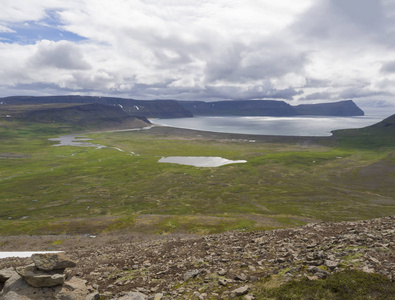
x,y
270,108
381,134
387,125
346,260
85,116
148,109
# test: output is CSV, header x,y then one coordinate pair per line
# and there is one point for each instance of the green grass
x,y
343,285
45,189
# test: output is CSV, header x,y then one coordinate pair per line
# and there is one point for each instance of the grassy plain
x,y
285,182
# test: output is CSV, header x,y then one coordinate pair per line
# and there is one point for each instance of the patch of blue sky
x,y
49,28
31,32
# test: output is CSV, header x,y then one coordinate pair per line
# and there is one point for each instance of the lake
x,y
289,126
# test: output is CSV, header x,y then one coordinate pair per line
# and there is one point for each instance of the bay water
x,y
286,126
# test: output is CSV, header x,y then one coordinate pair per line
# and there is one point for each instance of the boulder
x,y
241,291
331,264
75,288
158,296
134,296
191,274
39,278
52,261
6,274
14,296
16,288
241,277
222,272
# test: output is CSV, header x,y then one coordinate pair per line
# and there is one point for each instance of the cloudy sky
x,y
301,51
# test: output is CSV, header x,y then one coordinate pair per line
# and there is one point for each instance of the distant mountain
x,y
239,108
341,108
270,108
149,109
182,109
86,116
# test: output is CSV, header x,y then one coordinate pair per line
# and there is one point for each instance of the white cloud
x,y
61,55
27,10
204,49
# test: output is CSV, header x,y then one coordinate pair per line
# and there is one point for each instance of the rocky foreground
x,y
223,266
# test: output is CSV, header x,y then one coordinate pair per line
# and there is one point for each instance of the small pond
x,y
200,161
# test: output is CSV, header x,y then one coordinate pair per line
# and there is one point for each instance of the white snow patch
x,y
23,253
200,161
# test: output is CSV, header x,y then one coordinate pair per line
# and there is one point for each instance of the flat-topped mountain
x,y
239,108
270,108
182,109
341,108
148,109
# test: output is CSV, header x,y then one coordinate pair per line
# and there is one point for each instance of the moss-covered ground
x,y
350,284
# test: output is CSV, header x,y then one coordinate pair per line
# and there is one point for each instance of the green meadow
x,y
286,181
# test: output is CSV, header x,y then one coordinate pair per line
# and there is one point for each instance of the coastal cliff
x,y
270,108
84,116
182,109
341,109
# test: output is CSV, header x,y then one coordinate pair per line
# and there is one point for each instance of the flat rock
x,y
191,274
223,281
39,278
222,272
16,288
241,277
134,296
158,296
52,261
241,291
14,296
6,274
75,288
331,264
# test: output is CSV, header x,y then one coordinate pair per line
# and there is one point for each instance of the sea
x,y
285,126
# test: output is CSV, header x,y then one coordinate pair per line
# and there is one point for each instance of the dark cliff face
x,y
270,108
149,109
341,108
239,108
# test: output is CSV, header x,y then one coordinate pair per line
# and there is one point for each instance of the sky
x,y
304,51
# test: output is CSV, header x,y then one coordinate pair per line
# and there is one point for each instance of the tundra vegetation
x,y
286,181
